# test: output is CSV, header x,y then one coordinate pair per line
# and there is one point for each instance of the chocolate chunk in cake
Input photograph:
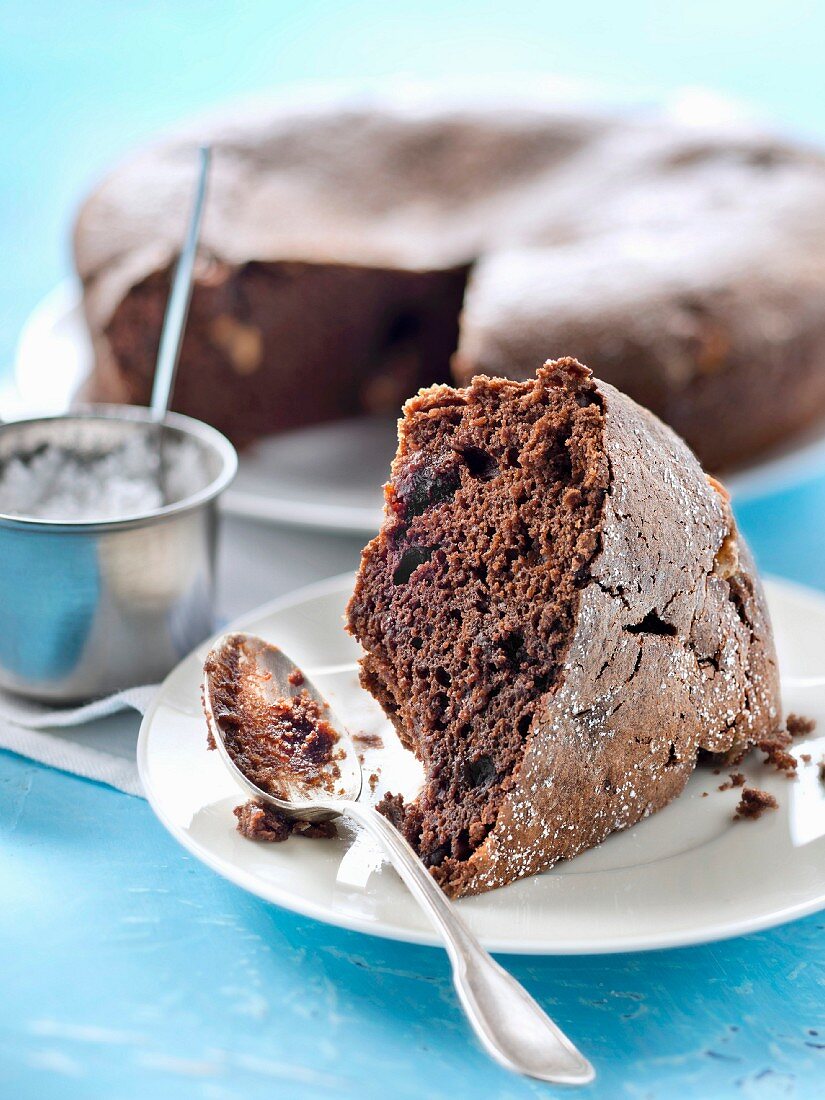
x,y
554,625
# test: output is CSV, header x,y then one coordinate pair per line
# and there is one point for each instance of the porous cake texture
x,y
559,618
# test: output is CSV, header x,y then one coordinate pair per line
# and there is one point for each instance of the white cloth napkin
x,y
97,741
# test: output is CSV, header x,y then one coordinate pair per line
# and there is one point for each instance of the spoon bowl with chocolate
x,y
285,746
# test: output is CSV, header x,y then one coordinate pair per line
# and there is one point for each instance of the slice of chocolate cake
x,y
559,617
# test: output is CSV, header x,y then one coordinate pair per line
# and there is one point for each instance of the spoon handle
x,y
177,307
509,1023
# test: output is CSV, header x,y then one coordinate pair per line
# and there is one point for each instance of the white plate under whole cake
x,y
326,477
686,875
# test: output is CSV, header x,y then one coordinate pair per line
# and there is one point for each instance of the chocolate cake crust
x,y
362,245
659,647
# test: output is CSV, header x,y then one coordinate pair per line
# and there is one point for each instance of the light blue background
x,y
127,969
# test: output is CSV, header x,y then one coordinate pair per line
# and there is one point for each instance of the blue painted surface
x,y
126,968
136,972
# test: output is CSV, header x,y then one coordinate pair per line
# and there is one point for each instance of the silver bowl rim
x,y
188,425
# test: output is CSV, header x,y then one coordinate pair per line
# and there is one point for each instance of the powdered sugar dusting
x,y
62,486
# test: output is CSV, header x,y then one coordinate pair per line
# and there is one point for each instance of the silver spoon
x,y
510,1024
174,319
177,307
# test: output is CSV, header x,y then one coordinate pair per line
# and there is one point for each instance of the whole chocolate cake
x,y
360,247
559,618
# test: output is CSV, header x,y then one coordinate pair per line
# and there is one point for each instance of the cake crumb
x,y
798,726
822,770
369,740
317,830
257,821
776,753
296,677
754,802
392,807
806,757
737,779
373,781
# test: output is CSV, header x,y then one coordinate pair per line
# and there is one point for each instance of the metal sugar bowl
x,y
108,525
90,607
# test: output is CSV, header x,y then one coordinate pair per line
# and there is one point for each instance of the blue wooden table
x,y
126,968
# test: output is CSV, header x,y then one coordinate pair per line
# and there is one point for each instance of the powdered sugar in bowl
x,y
107,548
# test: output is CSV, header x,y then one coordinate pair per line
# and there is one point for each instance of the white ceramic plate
x,y
688,874
327,477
